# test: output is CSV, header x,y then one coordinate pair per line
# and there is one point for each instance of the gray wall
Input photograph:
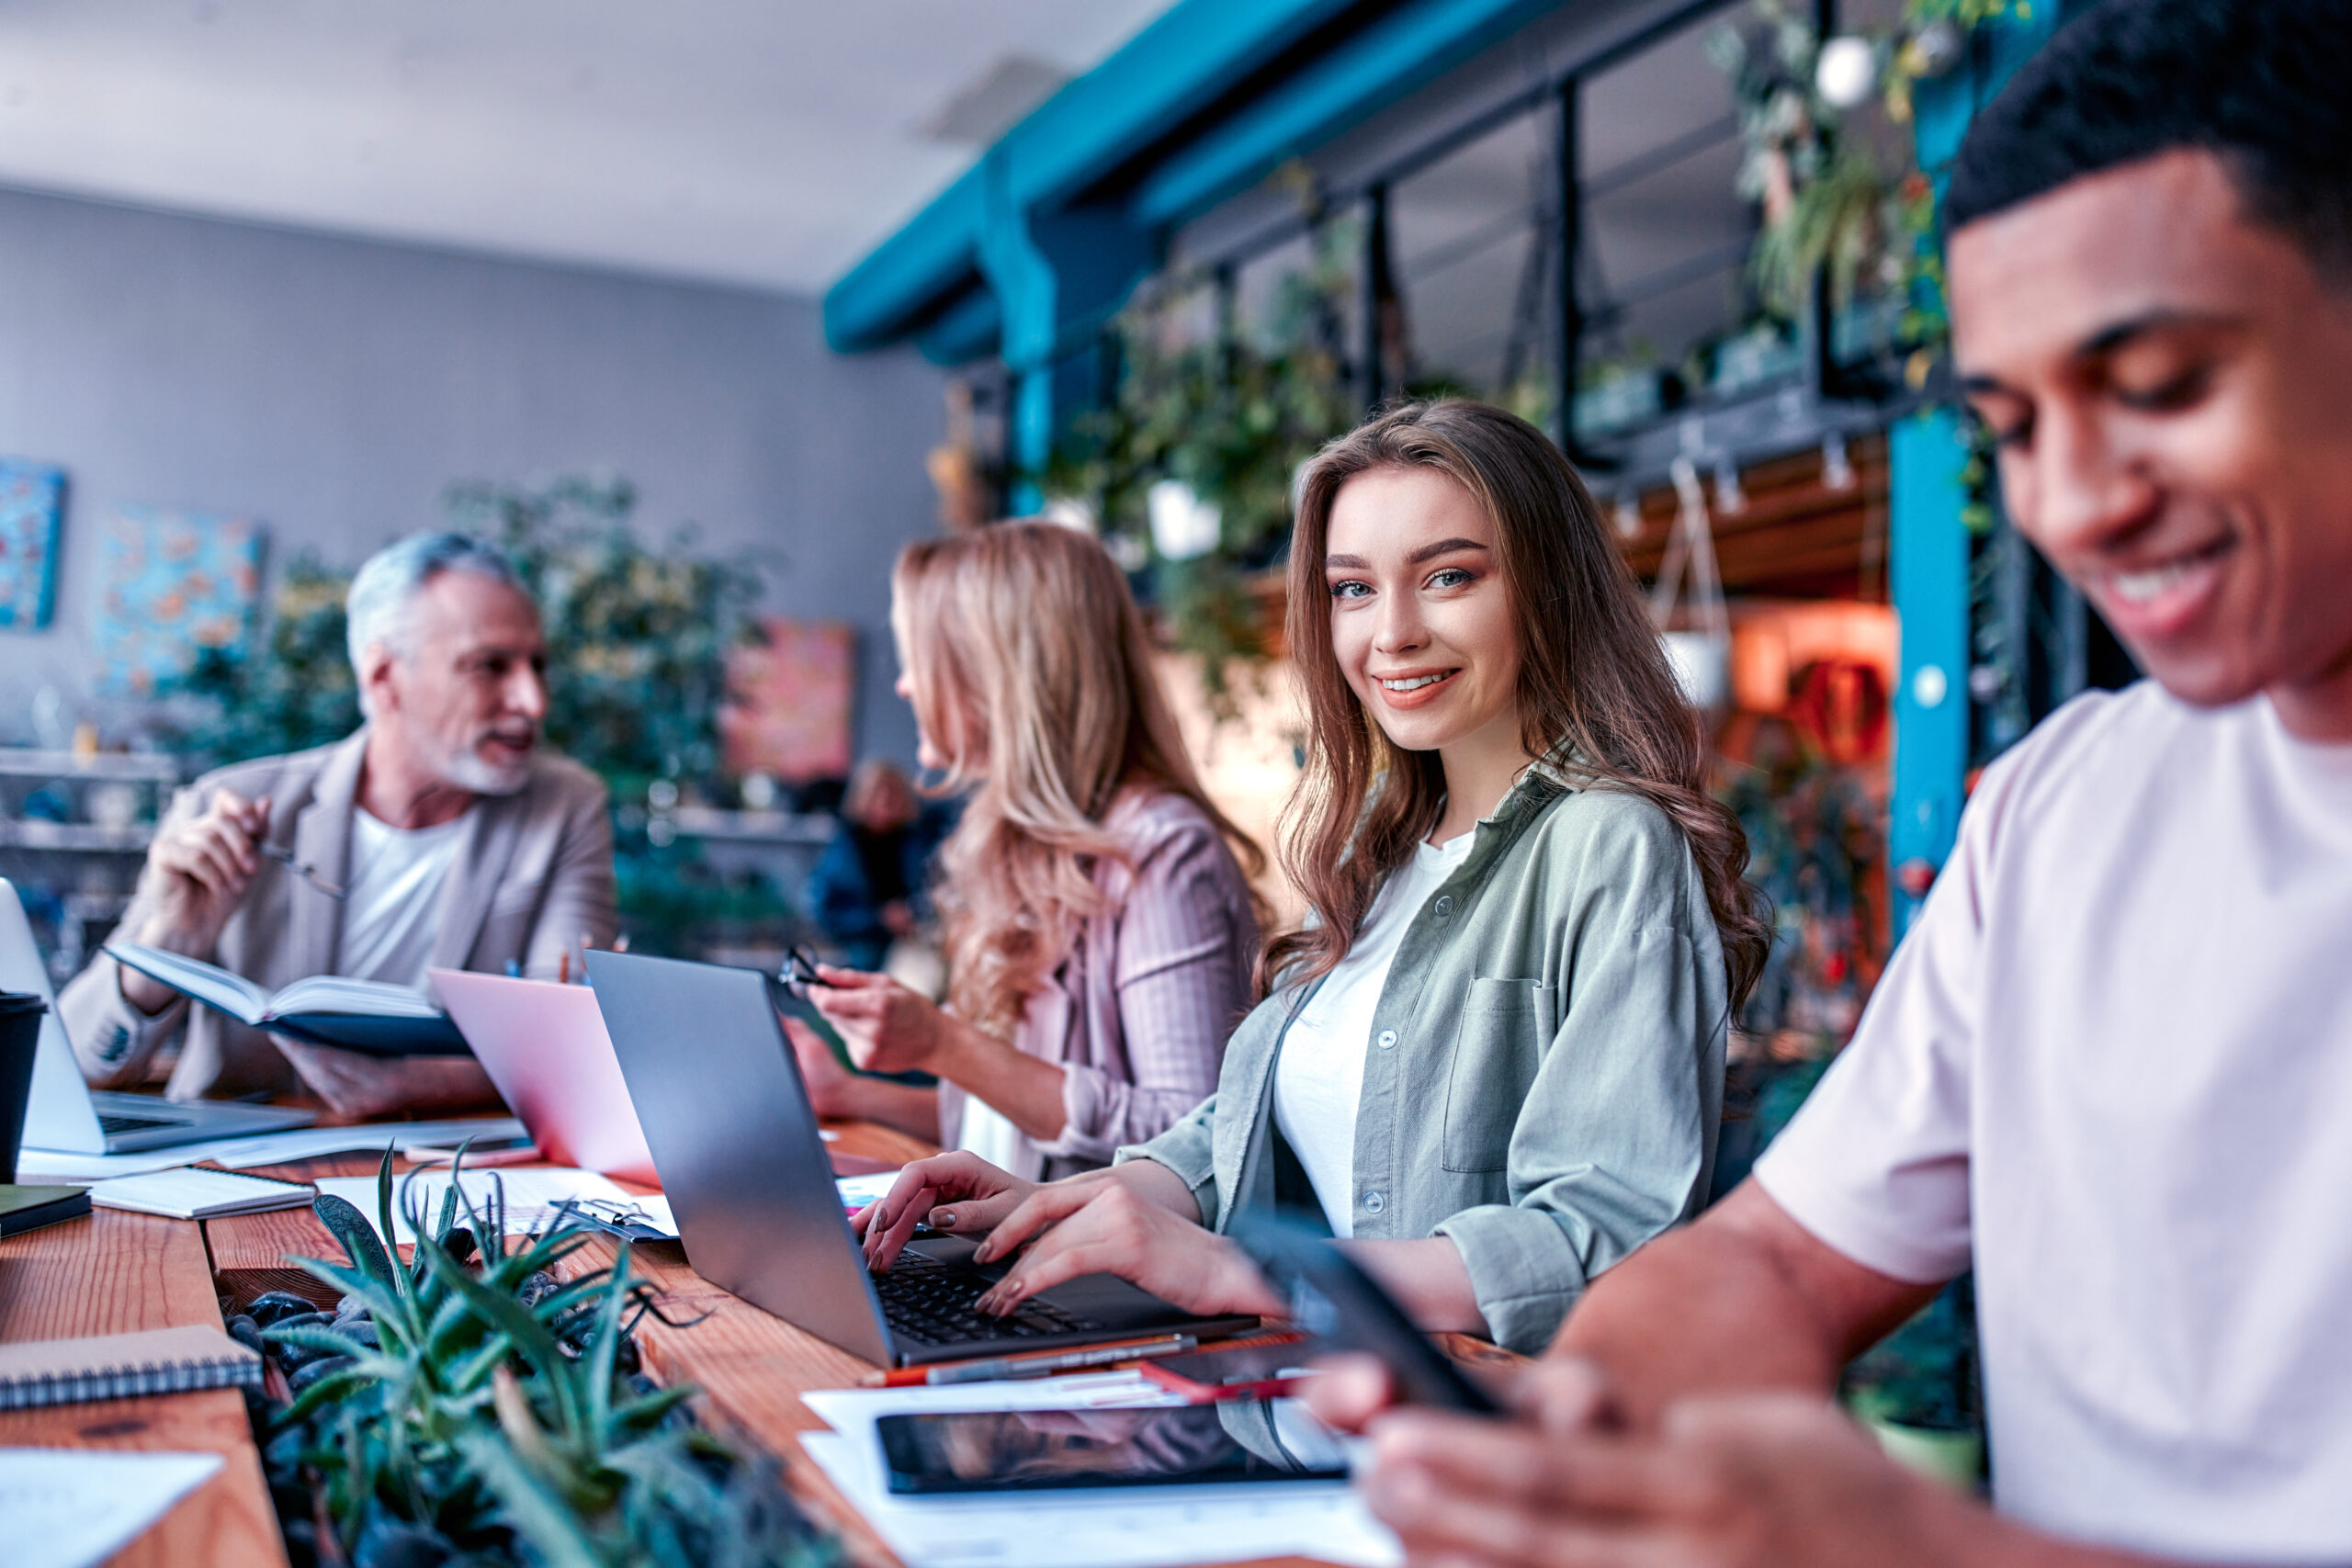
x,y
331,388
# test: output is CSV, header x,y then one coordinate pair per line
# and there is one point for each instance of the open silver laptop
x,y
718,1093
66,1113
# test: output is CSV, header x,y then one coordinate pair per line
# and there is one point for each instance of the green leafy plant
x,y
1231,416
471,1407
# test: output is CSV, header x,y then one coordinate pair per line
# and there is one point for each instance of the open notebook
x,y
359,1015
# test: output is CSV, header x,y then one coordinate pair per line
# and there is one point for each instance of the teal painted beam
x,y
1927,546
907,275
1389,60
1161,78
967,328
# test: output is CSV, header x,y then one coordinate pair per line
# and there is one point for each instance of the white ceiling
x,y
766,142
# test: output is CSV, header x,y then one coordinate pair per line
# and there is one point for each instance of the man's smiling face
x,y
2170,389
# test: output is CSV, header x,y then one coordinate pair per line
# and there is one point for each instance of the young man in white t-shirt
x,y
2110,1066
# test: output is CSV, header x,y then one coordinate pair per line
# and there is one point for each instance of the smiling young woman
x,y
1494,1060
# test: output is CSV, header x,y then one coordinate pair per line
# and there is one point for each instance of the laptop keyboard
x,y
111,1124
925,1299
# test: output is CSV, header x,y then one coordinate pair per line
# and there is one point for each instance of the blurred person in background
x,y
1494,1058
2105,1069
440,832
870,890
1099,925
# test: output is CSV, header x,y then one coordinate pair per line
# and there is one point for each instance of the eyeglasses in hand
x,y
799,971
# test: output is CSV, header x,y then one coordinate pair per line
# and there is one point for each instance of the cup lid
x,y
15,1002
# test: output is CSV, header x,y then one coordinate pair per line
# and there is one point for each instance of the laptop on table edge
x,y
544,1046
718,1093
63,1113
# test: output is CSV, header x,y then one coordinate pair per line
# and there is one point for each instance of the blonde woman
x,y
1099,929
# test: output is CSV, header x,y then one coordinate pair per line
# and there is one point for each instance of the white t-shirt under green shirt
x,y
1319,1079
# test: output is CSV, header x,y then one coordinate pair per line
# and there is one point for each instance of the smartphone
x,y
1344,1307
1014,1450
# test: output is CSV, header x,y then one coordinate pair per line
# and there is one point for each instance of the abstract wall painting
x,y
32,503
171,584
789,701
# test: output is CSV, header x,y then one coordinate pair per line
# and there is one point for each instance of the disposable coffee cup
x,y
20,1015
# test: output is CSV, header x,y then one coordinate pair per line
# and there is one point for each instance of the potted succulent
x,y
471,1407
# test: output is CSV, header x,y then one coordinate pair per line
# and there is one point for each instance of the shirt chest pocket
x,y
1505,1026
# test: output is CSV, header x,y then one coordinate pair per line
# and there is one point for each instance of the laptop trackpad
x,y
1105,1298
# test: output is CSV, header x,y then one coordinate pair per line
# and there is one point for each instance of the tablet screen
x,y
1003,1450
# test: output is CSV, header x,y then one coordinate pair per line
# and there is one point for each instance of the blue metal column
x,y
1056,279
1929,543
1929,572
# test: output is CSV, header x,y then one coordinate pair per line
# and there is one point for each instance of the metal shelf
x,y
138,767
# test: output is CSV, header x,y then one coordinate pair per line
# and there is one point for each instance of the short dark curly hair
x,y
2266,85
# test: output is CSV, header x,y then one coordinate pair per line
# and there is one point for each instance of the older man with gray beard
x,y
439,834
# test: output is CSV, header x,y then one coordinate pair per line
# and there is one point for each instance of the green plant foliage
x,y
470,1408
1231,415
293,691
637,637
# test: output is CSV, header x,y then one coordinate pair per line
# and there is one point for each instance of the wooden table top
x,y
121,1273
751,1367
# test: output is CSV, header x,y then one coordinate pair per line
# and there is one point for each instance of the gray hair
x,y
376,609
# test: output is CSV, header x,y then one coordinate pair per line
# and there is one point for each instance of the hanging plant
x,y
1230,416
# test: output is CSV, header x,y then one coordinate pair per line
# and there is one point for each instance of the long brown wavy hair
x,y
1596,696
1031,671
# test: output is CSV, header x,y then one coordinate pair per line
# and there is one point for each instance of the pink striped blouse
x,y
1138,1013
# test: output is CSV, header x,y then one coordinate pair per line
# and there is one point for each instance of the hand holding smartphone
x,y
1339,1303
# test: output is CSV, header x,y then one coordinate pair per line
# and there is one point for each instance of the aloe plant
x,y
468,1407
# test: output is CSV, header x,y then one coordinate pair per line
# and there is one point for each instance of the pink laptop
x,y
545,1047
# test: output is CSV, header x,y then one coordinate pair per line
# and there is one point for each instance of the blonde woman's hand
x,y
831,1087
957,1191
888,1029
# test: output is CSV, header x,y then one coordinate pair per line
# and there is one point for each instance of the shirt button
x,y
1445,906
1387,1041
1373,1202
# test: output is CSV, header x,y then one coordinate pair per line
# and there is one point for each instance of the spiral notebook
x,y
193,1193
123,1366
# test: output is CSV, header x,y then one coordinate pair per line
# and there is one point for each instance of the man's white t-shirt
x,y
2112,1066
392,902
1318,1077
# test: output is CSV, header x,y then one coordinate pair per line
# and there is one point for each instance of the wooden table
x,y
117,1272
120,1274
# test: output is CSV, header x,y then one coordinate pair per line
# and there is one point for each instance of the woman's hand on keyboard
x,y
957,1191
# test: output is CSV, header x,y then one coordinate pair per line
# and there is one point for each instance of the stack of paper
x,y
1109,1527
534,1195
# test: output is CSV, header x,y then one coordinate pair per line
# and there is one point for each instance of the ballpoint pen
x,y
999,1367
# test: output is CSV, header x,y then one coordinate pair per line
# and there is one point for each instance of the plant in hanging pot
x,y
1187,468
471,1407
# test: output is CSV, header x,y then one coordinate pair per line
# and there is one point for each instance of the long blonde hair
x,y
1595,692
1031,671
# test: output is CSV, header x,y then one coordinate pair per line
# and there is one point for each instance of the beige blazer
x,y
532,875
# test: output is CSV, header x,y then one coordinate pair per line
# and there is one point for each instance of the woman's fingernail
x,y
943,1220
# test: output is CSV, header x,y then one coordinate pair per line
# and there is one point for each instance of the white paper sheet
x,y
265,1148
532,1194
76,1507
1137,1527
